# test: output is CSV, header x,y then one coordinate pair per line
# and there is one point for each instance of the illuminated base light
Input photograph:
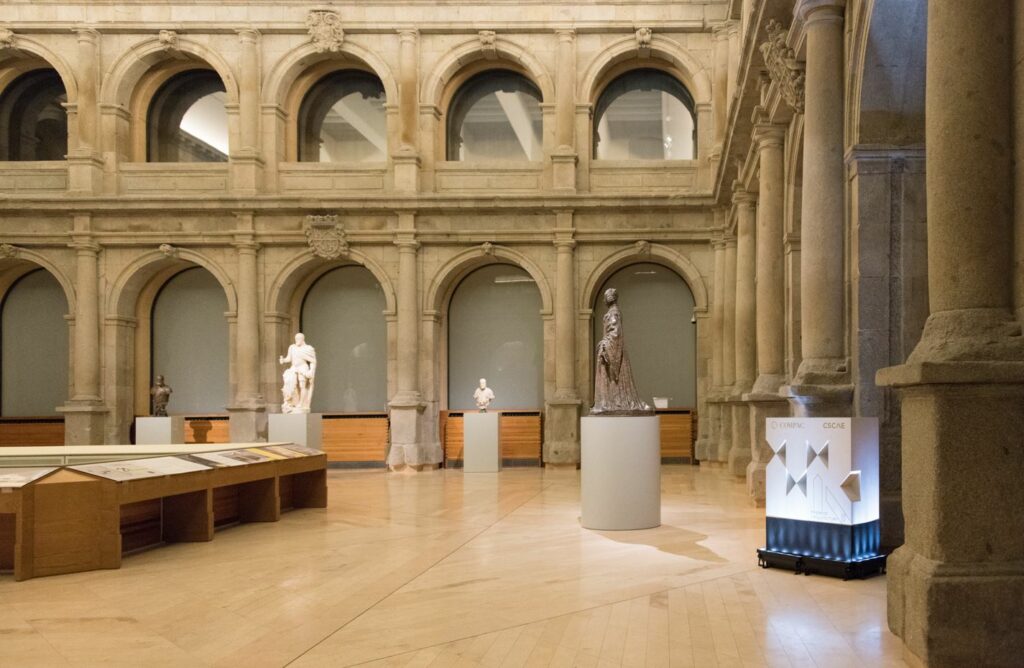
x,y
859,567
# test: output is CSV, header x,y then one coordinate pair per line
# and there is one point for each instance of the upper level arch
x,y
655,253
28,54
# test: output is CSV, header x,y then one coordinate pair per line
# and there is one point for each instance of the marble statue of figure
x,y
161,393
614,388
483,396
298,377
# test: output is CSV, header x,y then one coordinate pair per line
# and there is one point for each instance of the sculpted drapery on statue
x,y
298,377
614,388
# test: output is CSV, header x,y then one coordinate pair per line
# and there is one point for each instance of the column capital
x,y
407,245
743,198
769,135
248,35
85,246
814,11
408,34
87,34
244,246
564,245
566,34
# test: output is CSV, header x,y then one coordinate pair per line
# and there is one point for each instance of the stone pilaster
x,y
744,330
564,157
735,55
956,586
562,438
248,412
84,413
410,447
407,160
728,345
85,163
720,85
710,424
822,387
764,399
246,161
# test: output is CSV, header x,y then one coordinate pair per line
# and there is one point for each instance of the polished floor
x,y
448,569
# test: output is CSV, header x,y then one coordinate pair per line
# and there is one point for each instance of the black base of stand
x,y
818,566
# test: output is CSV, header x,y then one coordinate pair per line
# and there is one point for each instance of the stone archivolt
x,y
783,66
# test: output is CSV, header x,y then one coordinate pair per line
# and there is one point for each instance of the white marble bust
x,y
297,390
483,396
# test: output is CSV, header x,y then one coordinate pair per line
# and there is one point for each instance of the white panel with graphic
x,y
823,469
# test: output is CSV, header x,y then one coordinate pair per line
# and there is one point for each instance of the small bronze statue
x,y
161,393
614,388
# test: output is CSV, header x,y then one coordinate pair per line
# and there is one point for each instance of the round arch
x,y
279,82
469,53
125,290
305,268
441,287
26,260
31,47
664,54
655,253
133,64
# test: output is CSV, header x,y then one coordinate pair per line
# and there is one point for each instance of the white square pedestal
x,y
620,473
481,452
160,430
299,428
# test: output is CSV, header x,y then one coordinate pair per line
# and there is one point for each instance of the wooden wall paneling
x,y
676,435
356,438
520,435
207,429
31,431
453,437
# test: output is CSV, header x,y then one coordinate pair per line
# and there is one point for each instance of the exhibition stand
x,y
160,430
305,429
821,501
56,520
482,448
620,473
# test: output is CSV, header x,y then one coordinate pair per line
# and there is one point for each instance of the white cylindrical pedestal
x,y
160,430
620,472
299,428
481,450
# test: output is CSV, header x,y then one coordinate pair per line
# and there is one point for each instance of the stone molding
x,y
9,252
488,44
168,40
7,39
783,66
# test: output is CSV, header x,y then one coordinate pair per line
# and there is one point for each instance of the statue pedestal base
x,y
298,428
481,452
620,473
160,430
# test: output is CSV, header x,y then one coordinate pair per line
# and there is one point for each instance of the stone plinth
x,y
160,430
299,428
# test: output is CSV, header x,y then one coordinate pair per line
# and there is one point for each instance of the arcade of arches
x,y
757,178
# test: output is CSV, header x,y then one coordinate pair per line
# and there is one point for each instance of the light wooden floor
x,y
448,569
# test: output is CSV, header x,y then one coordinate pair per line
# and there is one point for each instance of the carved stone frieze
x,y
783,66
168,40
326,236
325,30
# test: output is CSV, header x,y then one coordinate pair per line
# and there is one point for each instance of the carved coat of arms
x,y
325,30
326,236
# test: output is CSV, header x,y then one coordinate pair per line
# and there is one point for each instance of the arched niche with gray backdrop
x,y
343,318
33,346
495,332
190,342
661,337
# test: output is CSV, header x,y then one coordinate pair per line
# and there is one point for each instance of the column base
x,y
955,587
247,424
561,432
410,450
708,431
563,170
407,170
739,451
762,407
85,172
720,453
818,401
84,422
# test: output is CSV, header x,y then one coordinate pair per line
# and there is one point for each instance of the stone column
x,y
707,446
564,157
720,85
84,413
248,413
735,55
562,440
728,344
822,386
406,160
764,399
956,586
246,161
744,330
85,164
407,404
